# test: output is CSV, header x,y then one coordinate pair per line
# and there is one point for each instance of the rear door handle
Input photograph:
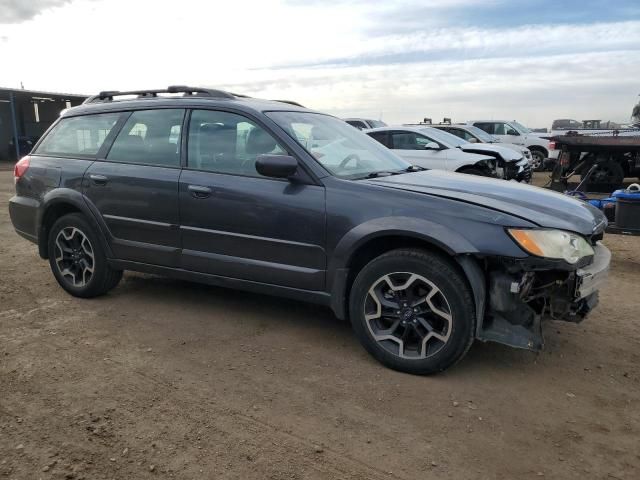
x,y
198,191
98,179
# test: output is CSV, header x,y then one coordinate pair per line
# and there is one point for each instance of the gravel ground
x,y
163,378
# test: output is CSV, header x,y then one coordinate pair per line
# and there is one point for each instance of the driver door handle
x,y
98,179
198,191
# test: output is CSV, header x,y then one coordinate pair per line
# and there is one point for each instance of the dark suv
x,y
270,197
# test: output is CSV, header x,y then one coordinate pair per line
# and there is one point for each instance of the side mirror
x,y
473,140
513,133
276,166
432,146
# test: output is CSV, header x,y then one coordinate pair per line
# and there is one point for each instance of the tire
x,y
426,276
77,259
537,160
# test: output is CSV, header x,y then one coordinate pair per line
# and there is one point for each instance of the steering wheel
x,y
348,158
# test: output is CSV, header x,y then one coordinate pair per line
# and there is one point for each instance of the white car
x,y
364,123
431,148
475,135
513,132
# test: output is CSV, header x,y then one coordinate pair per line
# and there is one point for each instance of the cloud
x,y
460,58
18,11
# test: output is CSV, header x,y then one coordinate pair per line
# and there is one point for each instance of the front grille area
x,y
511,173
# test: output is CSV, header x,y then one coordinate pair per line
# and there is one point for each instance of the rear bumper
x,y
24,213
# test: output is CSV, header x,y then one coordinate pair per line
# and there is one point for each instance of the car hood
x,y
539,206
512,146
507,154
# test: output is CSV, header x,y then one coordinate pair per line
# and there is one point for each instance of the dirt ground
x,y
163,378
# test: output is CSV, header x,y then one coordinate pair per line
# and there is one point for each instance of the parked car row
x,y
510,134
430,147
274,198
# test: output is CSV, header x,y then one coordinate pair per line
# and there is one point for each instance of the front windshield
x,y
343,150
521,128
377,123
481,134
448,139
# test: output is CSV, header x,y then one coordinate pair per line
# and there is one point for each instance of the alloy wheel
x,y
74,256
408,315
536,160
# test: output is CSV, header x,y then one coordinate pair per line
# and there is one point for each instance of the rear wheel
x,y
608,171
77,259
413,311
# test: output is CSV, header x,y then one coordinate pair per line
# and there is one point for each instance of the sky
x,y
399,61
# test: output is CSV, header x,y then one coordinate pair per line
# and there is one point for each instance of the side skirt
x,y
310,296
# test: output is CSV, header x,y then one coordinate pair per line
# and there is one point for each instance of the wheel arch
x,y
539,148
351,255
62,202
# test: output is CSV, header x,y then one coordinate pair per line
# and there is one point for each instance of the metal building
x,y
25,115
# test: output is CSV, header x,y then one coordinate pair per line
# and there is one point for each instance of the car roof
x,y
489,121
416,129
106,102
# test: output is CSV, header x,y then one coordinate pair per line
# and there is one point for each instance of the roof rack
x,y
108,95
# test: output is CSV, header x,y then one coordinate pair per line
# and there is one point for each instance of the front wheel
x,y
77,259
537,160
413,311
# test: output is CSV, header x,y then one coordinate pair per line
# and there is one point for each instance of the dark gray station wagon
x,y
270,197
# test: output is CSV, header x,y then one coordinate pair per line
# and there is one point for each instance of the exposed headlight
x,y
552,244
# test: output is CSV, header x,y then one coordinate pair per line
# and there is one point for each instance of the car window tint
x,y
82,136
487,127
149,137
224,142
499,129
358,124
382,137
461,133
404,141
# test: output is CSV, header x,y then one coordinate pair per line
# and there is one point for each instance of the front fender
x,y
437,234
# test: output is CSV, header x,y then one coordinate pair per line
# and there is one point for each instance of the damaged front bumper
x,y
522,294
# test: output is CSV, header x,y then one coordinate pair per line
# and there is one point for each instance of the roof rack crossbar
x,y
108,95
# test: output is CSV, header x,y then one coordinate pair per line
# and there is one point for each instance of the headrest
x,y
260,142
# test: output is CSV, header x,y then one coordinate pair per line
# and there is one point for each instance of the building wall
x,y
6,132
28,124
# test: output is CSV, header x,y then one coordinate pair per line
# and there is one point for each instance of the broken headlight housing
x,y
558,244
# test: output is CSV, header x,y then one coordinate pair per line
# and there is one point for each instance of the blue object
x,y
602,202
627,195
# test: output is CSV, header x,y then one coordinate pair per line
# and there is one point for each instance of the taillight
x,y
552,145
21,167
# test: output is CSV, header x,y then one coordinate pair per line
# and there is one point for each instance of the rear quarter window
x,y
78,136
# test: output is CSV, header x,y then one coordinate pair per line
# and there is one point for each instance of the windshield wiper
x,y
388,173
382,173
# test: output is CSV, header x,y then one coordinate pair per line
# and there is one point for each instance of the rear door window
x,y
78,136
150,137
487,127
358,124
382,137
